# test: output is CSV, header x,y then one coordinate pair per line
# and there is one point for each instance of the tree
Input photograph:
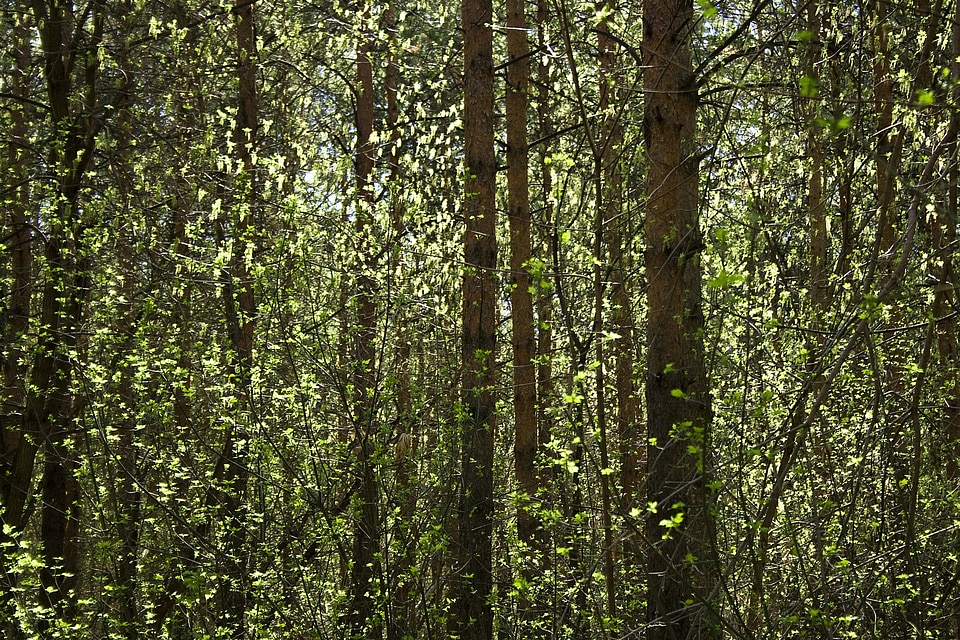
x,y
365,430
680,567
473,614
521,298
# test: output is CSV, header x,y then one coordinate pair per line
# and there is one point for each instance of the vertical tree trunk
x,y
366,535
546,294
945,237
681,570
521,297
473,611
610,233
49,407
19,449
818,273
240,313
127,494
403,600
167,609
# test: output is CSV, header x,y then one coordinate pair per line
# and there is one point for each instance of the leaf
x,y
709,11
809,87
725,279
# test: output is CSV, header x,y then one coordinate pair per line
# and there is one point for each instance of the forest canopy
x,y
546,319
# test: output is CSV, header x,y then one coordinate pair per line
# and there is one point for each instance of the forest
x,y
518,319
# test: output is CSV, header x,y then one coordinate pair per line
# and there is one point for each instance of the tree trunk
x,y
366,534
50,404
681,571
403,595
18,450
240,312
473,614
545,290
521,297
945,244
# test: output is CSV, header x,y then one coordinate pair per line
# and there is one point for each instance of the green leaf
x,y
809,87
709,11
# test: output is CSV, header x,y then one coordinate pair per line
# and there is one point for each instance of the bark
x,y
546,294
607,186
19,450
366,535
168,611
945,237
816,220
681,572
49,404
819,272
889,143
403,616
127,495
240,312
473,613
521,297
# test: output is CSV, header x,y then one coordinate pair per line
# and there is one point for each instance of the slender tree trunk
x,y
19,449
549,233
681,571
366,535
819,272
240,313
473,613
403,616
521,296
545,302
610,233
945,239
127,495
944,310
168,611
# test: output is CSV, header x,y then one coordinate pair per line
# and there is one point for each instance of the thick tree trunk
x,y
50,404
681,571
473,614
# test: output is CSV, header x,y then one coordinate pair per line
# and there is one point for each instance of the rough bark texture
x,y
473,615
521,298
680,567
